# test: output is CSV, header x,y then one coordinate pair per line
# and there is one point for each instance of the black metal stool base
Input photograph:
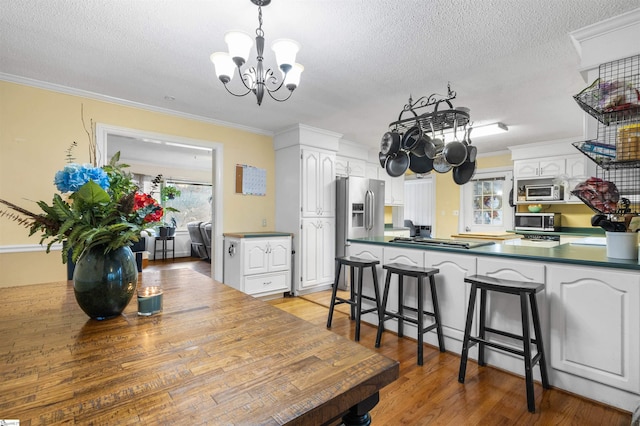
x,y
527,294
421,274
356,296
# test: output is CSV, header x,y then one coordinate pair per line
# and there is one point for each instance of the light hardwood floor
x,y
430,394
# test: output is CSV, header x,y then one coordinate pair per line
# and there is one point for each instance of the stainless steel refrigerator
x,y
359,212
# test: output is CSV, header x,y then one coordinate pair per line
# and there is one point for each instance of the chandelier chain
x,y
259,31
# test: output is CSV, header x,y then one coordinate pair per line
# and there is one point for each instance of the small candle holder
x,y
149,299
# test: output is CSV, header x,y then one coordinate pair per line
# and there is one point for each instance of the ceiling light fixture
x,y
488,130
255,79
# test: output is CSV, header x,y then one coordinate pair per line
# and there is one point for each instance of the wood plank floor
x,y
430,394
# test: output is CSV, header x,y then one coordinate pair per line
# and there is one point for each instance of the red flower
x,y
147,208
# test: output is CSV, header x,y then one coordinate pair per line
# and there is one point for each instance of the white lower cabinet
x,y
318,252
260,266
595,333
453,294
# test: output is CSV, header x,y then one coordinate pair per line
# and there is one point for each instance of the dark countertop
x,y
257,234
564,253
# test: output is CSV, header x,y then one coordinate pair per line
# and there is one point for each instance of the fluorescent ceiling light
x,y
488,130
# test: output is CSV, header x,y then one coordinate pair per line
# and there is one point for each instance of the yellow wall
x,y
448,194
448,200
37,126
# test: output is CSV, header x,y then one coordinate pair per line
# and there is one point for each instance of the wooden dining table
x,y
214,355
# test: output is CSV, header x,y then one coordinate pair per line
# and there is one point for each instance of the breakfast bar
x,y
589,308
214,356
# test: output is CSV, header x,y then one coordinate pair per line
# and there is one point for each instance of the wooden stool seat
x,y
356,296
527,294
421,274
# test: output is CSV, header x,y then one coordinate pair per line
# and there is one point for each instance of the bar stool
x,y
525,290
421,274
356,296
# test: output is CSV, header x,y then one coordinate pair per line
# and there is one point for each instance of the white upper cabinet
x,y
318,184
538,168
346,166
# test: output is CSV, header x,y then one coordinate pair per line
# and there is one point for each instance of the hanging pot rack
x,y
436,120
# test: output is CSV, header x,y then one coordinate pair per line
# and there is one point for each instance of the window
x,y
195,203
418,201
485,203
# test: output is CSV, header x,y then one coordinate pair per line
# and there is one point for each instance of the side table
x,y
164,247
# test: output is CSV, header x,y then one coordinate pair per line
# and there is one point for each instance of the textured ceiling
x,y
508,60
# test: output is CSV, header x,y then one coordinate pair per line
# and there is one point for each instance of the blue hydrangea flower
x,y
74,175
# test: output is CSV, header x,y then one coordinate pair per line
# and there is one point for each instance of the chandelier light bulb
x,y
293,77
224,66
285,50
239,46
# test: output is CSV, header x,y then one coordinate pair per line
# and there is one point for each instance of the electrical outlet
x,y
264,222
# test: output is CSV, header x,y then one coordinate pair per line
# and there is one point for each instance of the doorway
x,y
139,143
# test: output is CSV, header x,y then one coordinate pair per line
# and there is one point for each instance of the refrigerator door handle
x,y
369,211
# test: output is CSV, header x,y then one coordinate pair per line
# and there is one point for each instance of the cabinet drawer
x,y
266,283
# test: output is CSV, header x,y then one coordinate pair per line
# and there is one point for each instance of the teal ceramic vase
x,y
104,283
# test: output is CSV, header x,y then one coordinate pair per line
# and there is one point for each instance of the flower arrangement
x,y
102,207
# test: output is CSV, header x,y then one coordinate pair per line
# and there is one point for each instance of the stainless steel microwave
x,y
548,192
537,221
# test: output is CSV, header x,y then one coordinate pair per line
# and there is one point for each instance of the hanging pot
x,y
419,164
104,282
464,172
390,143
455,152
440,165
383,159
434,145
397,164
411,138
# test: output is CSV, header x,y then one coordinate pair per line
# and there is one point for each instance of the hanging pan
x,y
390,143
411,138
419,164
397,164
464,172
383,159
440,165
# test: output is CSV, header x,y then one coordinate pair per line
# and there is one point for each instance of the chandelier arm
x,y
236,94
276,99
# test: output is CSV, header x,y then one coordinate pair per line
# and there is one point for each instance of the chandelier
x,y
255,79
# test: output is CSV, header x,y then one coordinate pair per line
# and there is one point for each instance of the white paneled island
x,y
590,310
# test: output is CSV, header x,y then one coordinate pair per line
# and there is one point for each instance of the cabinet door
x,y
579,168
255,255
525,169
327,186
551,168
393,190
342,166
595,318
318,252
453,293
311,164
280,254
356,168
327,250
